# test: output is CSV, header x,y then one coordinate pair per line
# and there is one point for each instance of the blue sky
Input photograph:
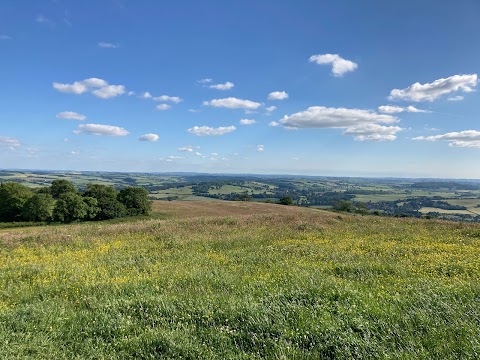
x,y
336,87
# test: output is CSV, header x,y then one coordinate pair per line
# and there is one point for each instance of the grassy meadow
x,y
233,280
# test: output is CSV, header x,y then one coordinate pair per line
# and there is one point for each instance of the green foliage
x,y
135,200
38,208
108,204
343,205
286,200
92,207
60,187
70,207
13,197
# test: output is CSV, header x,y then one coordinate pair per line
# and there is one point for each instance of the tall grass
x,y
302,284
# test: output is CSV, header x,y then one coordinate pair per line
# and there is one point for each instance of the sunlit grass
x,y
279,283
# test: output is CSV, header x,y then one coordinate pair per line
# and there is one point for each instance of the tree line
x,y
62,202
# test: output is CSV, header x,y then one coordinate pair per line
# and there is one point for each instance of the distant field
x,y
241,280
443,211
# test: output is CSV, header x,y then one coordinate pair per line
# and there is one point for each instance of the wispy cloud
x,y
107,45
391,109
5,37
466,138
205,81
10,143
340,66
233,103
101,130
167,98
210,131
260,148
41,19
432,91
226,86
71,115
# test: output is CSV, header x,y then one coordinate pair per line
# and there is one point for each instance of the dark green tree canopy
x,y
109,206
60,187
70,207
135,200
38,208
13,197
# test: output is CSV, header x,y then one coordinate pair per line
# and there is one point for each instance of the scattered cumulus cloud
x,y
278,95
98,87
455,98
362,124
271,108
109,91
10,143
340,66
273,123
107,45
146,95
233,103
210,131
131,93
247,121
149,137
71,115
391,109
101,130
163,107
466,138
173,99
260,148
194,110
432,91
226,86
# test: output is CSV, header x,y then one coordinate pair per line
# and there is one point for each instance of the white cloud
x,y
107,45
98,87
97,129
432,91
194,110
466,138
373,132
109,91
209,131
71,115
273,124
131,93
146,95
188,148
199,154
227,86
455,98
277,95
233,103
391,109
271,108
149,137
9,142
163,107
260,148
5,37
362,124
340,66
214,154
174,99
247,121
205,81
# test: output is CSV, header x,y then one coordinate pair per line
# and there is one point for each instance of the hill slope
x,y
241,280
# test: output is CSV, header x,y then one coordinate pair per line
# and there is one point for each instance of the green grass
x,y
281,282
426,210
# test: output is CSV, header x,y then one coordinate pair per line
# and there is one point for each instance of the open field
x,y
240,280
426,210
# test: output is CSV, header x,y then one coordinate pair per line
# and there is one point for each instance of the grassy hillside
x,y
241,281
